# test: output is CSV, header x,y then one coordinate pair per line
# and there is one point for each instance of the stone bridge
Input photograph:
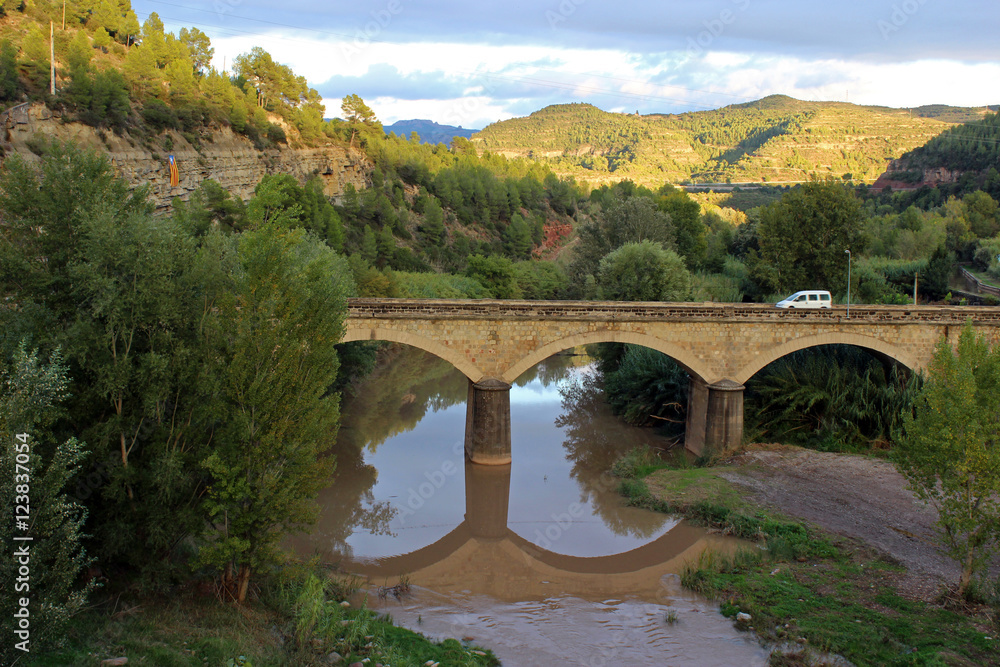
x,y
720,345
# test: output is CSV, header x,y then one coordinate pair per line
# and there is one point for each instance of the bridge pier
x,y
487,497
714,416
487,422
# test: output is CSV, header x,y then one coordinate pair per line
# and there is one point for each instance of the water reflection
x,y
397,489
539,560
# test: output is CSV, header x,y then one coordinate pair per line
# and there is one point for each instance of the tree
x,y
803,237
644,271
496,274
276,85
517,238
44,211
275,330
627,219
357,114
934,281
153,39
950,451
199,46
10,83
432,226
685,213
210,205
30,398
116,289
369,245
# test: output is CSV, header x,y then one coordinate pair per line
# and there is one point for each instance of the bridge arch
x,y
454,357
866,342
684,358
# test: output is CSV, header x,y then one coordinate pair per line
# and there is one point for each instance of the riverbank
x,y
847,565
299,617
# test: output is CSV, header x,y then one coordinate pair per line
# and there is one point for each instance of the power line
x,y
551,84
558,85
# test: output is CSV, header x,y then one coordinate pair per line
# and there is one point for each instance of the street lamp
x,y
848,283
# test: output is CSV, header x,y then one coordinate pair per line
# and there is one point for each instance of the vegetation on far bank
x,y
808,591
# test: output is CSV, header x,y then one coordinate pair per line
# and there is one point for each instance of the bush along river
x,y
541,560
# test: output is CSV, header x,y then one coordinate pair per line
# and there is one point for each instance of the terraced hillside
x,y
774,139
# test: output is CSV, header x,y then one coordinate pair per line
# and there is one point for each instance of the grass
x,y
815,591
298,619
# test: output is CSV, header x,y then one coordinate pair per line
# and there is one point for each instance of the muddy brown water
x,y
540,561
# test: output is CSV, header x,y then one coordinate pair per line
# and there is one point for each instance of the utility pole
x,y
64,15
915,274
52,59
848,283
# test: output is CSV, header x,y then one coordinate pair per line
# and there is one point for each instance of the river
x,y
540,561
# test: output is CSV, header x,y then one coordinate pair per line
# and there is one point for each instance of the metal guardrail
x,y
980,286
16,110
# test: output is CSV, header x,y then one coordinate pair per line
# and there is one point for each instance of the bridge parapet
x,y
608,311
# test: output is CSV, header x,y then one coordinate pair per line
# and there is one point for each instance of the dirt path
x,y
855,496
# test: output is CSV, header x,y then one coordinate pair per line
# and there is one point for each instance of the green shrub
x,y
276,135
159,116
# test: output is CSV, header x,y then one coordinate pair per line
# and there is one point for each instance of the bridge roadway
x,y
720,345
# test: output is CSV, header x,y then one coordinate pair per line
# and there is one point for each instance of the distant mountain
x,y
776,139
429,131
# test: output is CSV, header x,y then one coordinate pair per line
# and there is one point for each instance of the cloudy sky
x,y
473,63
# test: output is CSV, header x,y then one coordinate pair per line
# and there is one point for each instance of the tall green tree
x,y
277,85
802,239
275,330
950,453
90,269
689,228
45,210
357,114
517,238
644,271
626,219
199,46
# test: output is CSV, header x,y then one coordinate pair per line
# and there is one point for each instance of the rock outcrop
x,y
899,176
222,155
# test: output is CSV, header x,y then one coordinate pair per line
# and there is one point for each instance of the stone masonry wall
x,y
714,342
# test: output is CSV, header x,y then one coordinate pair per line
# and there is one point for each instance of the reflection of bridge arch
x,y
442,555
869,343
683,357
483,536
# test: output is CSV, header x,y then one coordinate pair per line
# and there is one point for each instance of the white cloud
x,y
498,80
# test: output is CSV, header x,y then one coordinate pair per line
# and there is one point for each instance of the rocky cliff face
x,y
898,176
224,156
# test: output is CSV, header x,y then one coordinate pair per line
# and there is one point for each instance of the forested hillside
x,y
961,159
774,139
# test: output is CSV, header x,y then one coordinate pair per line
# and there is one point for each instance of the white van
x,y
811,298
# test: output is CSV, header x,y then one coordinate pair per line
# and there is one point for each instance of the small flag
x,y
175,176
